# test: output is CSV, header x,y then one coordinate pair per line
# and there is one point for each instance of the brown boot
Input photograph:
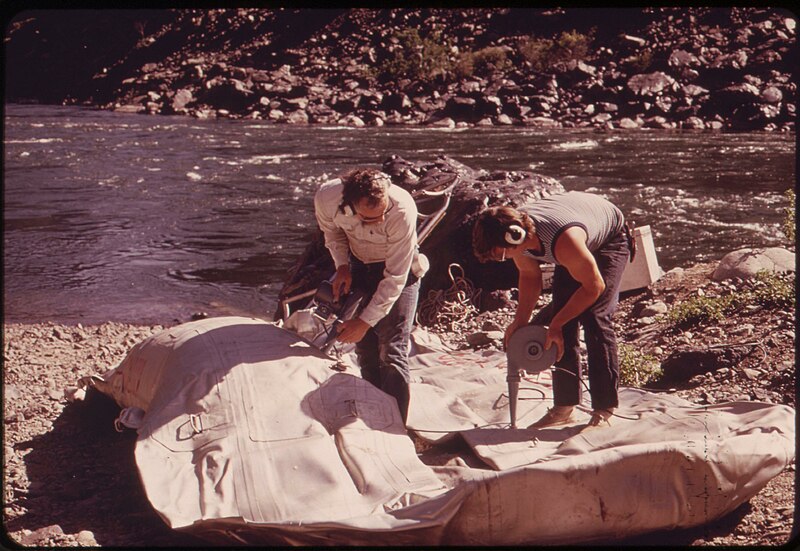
x,y
601,418
556,415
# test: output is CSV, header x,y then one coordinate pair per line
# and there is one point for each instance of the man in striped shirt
x,y
585,237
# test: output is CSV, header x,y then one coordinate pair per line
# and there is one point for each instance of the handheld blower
x,y
526,352
334,312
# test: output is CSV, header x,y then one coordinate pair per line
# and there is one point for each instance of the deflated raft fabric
x,y
246,434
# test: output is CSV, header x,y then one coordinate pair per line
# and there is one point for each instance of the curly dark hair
x,y
490,229
364,183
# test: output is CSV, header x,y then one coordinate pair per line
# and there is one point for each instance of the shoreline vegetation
x,y
709,69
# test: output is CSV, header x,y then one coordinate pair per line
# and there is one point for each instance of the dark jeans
x,y
601,339
383,352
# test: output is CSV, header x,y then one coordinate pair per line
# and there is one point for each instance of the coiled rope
x,y
448,309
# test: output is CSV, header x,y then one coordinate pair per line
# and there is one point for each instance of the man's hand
x,y
352,330
510,330
341,281
555,336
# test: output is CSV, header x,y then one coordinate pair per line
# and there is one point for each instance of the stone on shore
x,y
746,263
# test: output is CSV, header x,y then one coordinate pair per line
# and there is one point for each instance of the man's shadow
x,y
83,476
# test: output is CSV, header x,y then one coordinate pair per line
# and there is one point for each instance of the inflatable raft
x,y
249,435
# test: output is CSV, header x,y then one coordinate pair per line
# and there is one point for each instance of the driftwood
x,y
449,196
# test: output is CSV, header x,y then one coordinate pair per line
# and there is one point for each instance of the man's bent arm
x,y
578,260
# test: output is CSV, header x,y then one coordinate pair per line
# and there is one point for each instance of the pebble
x,y
654,309
746,329
11,392
788,364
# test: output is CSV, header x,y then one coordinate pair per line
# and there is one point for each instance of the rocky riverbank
x,y
66,468
610,68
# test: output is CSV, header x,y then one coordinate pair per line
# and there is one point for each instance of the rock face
x,y
746,263
688,68
450,241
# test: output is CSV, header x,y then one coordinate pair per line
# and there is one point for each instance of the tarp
x,y
247,434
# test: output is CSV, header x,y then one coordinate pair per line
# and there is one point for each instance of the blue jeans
x,y
383,352
601,339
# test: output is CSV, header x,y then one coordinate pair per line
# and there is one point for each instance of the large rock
x,y
451,240
182,99
746,263
650,84
227,93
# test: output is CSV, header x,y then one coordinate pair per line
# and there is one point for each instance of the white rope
x,y
448,310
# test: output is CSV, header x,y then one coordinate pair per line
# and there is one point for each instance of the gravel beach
x,y
70,477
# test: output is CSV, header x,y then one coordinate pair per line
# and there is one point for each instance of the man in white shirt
x,y
370,230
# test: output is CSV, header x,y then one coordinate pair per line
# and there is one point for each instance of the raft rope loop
x,y
448,309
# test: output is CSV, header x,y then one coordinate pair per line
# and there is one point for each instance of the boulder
x,y
650,84
746,263
460,108
182,99
297,117
228,94
451,239
681,58
771,94
693,123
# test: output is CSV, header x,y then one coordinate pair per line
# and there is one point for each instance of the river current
x,y
146,219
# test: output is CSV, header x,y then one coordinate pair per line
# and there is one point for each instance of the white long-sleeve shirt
x,y
393,241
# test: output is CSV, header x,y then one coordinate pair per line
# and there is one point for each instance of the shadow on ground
x,y
683,537
83,476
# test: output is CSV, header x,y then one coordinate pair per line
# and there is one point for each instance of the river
x,y
148,219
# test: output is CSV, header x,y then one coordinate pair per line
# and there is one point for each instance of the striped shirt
x,y
599,218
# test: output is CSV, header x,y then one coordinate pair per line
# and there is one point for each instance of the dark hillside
x,y
693,68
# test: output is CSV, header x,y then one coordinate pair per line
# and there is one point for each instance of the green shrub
x,y
574,45
789,220
537,52
636,368
418,58
465,66
544,53
482,62
767,289
773,290
701,309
